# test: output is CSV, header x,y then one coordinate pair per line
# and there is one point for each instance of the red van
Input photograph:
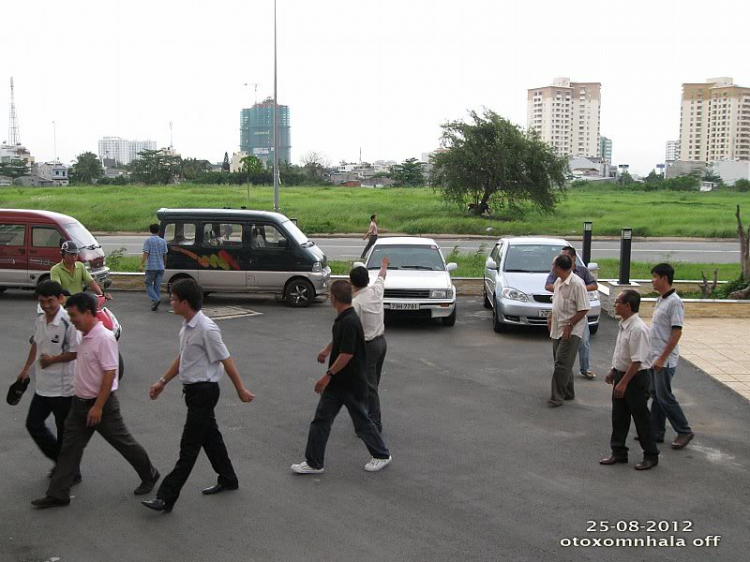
x,y
30,245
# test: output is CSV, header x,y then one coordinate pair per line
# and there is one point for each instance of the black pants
x,y
634,404
200,432
376,349
39,410
370,242
77,436
320,429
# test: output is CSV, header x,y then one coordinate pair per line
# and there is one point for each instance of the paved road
x,y
651,251
482,470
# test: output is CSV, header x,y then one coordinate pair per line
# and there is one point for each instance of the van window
x,y
46,237
80,235
222,235
181,233
12,235
266,236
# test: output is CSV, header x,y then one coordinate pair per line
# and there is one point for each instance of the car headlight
x,y
441,294
515,295
317,267
593,295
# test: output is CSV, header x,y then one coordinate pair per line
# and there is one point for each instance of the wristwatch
x,y
329,373
162,380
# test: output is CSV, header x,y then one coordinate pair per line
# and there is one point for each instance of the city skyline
x,y
381,79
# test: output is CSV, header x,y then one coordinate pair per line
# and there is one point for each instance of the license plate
x,y
544,313
404,306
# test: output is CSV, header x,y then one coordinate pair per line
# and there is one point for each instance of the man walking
x,y
95,407
200,365
570,304
666,331
343,384
591,285
154,257
629,375
72,274
371,236
53,354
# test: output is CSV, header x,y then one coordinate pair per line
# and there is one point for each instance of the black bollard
x,y
587,233
625,243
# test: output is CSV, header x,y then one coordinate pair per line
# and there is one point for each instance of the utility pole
x,y
275,122
14,135
54,136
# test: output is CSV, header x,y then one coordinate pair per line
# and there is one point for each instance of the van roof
x,y
164,213
36,214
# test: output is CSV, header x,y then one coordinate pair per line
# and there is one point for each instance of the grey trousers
x,y
77,436
563,381
376,349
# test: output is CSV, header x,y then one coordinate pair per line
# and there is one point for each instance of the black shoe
x,y
613,460
218,488
77,480
155,305
147,485
158,504
647,463
48,501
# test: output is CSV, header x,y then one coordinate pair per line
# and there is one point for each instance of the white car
x,y
419,282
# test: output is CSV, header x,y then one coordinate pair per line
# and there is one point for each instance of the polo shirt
x,y
201,350
632,344
156,248
55,338
669,314
73,282
97,353
373,230
348,337
570,297
368,304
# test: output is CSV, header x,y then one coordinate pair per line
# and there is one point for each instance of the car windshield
x,y
81,236
531,258
297,234
424,258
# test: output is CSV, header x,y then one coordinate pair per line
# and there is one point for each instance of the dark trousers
x,y
77,435
563,381
370,242
376,349
664,405
200,432
39,410
634,404
328,408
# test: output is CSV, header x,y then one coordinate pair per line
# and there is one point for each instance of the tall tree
x,y
190,168
87,169
315,165
225,167
15,169
154,167
491,161
408,173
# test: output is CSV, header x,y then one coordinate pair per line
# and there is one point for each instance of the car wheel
x,y
450,320
299,293
120,367
487,302
498,326
593,329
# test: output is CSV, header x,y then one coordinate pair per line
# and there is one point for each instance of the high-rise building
x,y
673,151
256,131
566,115
123,150
714,121
605,149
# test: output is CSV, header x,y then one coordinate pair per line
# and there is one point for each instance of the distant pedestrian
x,y
666,331
371,236
95,407
201,364
343,384
154,257
368,304
591,285
53,355
72,274
630,379
570,303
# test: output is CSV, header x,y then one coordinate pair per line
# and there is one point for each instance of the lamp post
x,y
275,122
587,232
626,240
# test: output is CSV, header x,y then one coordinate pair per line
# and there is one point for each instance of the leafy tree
x,y
87,169
712,177
191,167
15,169
408,173
315,166
154,167
252,165
490,160
225,167
743,186
683,183
625,178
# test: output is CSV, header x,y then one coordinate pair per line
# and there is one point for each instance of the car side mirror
x,y
593,266
452,266
357,264
490,264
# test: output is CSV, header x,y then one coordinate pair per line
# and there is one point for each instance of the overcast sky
x,y
381,75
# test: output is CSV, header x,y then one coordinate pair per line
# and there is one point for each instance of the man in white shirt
x,y
630,377
368,304
201,364
371,236
570,304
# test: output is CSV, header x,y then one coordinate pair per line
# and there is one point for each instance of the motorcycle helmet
x,y
69,247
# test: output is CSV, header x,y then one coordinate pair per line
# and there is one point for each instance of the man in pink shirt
x,y
95,407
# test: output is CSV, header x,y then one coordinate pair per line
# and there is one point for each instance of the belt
x,y
381,336
622,373
89,400
202,385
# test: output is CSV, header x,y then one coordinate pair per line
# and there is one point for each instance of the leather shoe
x,y
158,504
647,463
218,488
613,460
48,501
682,440
147,485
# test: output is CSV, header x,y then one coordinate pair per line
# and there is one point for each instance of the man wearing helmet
x,y
72,274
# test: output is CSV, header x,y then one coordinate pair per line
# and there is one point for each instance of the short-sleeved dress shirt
x,y
97,353
201,351
349,338
669,314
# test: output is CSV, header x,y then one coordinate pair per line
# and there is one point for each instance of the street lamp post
x,y
275,122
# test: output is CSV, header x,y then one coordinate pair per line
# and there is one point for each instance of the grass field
x,y
414,211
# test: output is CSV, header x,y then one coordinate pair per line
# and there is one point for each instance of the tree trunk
x,y
744,246
707,289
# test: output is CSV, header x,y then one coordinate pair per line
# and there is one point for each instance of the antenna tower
x,y
14,135
171,136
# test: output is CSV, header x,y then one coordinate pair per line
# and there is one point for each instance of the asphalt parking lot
x,y
482,469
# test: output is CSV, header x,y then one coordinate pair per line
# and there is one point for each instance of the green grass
x,y
413,211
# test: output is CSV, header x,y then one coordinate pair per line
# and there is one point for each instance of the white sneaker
x,y
378,464
304,468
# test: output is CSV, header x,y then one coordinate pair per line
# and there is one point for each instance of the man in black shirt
x,y
344,384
